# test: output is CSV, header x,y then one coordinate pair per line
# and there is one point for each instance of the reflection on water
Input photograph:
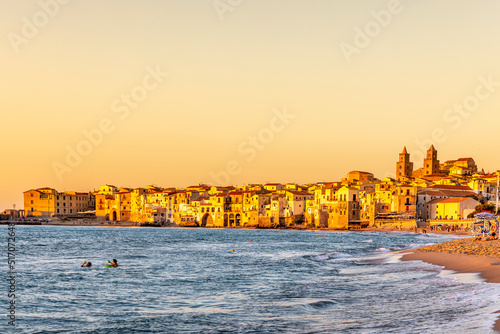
x,y
190,280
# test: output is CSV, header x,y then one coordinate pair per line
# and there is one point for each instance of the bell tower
x,y
404,167
431,163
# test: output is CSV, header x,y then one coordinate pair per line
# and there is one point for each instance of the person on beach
x,y
86,264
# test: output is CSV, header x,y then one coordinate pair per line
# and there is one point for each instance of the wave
x,y
328,256
322,304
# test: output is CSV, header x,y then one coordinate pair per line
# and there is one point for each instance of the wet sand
x,y
463,256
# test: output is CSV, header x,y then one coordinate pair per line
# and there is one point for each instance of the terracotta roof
x,y
31,190
449,187
456,200
295,192
236,193
447,193
358,171
449,200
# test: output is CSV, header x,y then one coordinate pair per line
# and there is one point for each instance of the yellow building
x,y
452,208
404,199
48,202
358,176
273,186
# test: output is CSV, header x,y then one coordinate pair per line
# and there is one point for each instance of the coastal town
x,y
448,192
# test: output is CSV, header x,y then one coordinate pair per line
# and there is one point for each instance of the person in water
x,y
114,263
86,264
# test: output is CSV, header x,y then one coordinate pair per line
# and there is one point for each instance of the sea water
x,y
275,281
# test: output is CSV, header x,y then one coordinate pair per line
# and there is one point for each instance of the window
x,y
31,201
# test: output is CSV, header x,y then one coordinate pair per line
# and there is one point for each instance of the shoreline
x,y
462,256
87,223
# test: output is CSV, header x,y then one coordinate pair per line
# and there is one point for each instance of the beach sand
x,y
463,256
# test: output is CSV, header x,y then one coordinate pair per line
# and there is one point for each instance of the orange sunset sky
x,y
176,93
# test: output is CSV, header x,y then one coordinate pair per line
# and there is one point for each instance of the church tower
x,y
404,167
431,163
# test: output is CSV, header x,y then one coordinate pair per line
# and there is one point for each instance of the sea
x,y
175,280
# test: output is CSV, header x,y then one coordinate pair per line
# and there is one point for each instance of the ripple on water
x,y
188,280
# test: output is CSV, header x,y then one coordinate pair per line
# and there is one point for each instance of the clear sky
x,y
257,90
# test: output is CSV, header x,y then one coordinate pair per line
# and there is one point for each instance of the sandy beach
x,y
463,256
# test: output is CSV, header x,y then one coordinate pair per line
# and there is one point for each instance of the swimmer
x,y
114,263
86,264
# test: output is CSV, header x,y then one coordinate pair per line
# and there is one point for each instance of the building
x,y
404,168
404,199
273,186
426,195
12,214
356,176
431,163
48,202
463,166
452,208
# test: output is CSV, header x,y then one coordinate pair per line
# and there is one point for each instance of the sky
x,y
178,93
